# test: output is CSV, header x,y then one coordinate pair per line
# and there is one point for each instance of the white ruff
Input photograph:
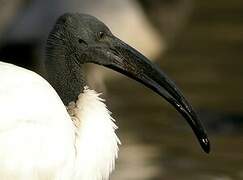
x,y
96,141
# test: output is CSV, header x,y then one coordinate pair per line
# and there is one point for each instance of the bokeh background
x,y
198,43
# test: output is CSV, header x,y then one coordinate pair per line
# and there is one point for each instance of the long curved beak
x,y
128,61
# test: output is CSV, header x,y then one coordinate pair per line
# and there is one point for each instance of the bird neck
x,y
63,73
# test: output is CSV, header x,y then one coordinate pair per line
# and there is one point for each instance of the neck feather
x,y
96,142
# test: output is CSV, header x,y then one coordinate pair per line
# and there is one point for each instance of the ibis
x,y
60,129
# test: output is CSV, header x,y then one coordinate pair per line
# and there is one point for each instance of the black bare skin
x,y
77,39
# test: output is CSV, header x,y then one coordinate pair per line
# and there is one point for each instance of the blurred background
x,y
199,43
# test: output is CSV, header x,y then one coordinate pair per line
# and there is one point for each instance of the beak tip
x,y
205,144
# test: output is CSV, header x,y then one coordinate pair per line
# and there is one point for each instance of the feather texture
x,y
40,141
96,141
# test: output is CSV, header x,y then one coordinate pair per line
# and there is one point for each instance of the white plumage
x,y
40,141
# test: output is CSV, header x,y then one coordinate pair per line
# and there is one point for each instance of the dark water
x,y
206,62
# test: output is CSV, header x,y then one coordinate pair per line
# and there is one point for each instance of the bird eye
x,y
101,35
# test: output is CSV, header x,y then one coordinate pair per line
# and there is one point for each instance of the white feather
x,y
96,142
39,140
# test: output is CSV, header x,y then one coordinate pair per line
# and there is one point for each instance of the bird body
x,y
41,140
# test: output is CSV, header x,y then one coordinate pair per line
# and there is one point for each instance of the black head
x,y
78,38
79,33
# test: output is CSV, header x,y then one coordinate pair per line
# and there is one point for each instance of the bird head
x,y
88,40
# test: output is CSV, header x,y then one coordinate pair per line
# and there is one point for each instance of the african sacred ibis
x,y
63,130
